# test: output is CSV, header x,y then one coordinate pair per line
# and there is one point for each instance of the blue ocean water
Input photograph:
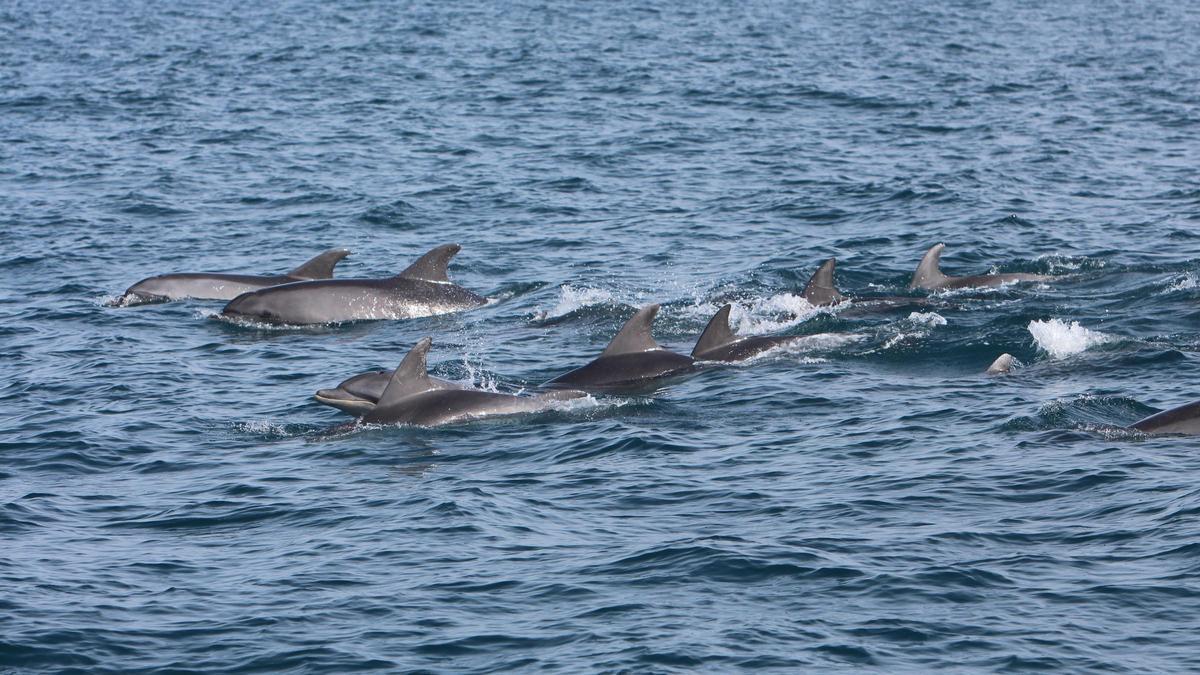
x,y
172,499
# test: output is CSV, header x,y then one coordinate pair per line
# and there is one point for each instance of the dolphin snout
x,y
344,401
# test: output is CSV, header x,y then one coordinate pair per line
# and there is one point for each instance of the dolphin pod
x,y
633,361
220,286
422,289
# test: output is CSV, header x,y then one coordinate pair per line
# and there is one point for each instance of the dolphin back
x,y
1182,420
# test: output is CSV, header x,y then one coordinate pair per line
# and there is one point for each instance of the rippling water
x,y
172,498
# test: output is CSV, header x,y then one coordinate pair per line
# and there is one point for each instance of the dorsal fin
x,y
634,336
821,289
717,334
410,377
320,267
432,266
929,274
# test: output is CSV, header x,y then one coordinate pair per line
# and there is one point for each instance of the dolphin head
x,y
252,306
345,401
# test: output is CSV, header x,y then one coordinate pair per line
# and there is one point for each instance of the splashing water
x,y
1058,338
927,318
572,298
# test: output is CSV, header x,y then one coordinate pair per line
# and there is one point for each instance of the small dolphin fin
x,y
717,334
320,267
821,289
929,274
432,266
410,377
634,336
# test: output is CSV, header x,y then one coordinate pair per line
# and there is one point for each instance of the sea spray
x,y
1058,338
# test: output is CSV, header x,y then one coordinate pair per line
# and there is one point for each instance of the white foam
x,y
572,298
1058,338
1060,264
757,316
1186,282
927,318
917,325
262,427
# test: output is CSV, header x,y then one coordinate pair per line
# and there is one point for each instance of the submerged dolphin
x,y
412,397
421,290
718,343
929,275
822,291
215,286
633,360
1182,420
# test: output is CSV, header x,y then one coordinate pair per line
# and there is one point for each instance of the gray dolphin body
x,y
357,395
822,291
631,362
412,397
423,289
1182,420
929,275
217,286
718,343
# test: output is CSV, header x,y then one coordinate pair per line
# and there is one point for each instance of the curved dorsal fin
x,y
320,267
410,377
634,336
822,289
432,265
929,274
717,334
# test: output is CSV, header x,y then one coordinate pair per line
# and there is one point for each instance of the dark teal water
x,y
171,498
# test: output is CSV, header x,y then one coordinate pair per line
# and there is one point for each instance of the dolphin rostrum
x,y
215,286
718,343
412,397
822,291
929,275
632,361
1182,420
423,289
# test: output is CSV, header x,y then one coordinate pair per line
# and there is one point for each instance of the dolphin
x,y
718,343
1002,365
358,394
822,291
1182,420
422,289
632,361
412,397
929,276
215,286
